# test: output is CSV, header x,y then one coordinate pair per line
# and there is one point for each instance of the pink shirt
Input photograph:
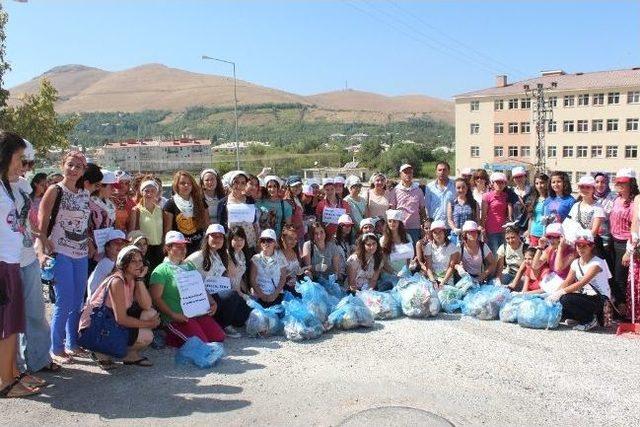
x,y
97,299
620,219
411,201
496,212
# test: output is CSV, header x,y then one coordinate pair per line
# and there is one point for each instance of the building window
x,y
570,175
583,99
596,151
633,97
612,151
568,126
475,128
498,151
581,151
513,104
632,124
569,100
567,151
553,126
513,127
525,151
525,127
474,105
553,101
475,151
580,175
498,104
612,125
597,125
513,151
598,99
498,128
631,151
613,98
525,103
583,125
552,151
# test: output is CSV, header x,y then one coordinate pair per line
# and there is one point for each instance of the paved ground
x,y
467,371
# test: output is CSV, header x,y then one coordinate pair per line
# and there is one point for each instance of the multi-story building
x,y
157,156
594,127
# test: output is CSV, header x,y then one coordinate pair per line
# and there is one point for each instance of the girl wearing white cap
x,y
213,191
397,245
331,200
586,212
267,275
345,239
365,265
476,257
554,252
147,217
319,253
439,257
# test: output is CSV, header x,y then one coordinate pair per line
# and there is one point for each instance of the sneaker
x,y
571,322
232,332
587,326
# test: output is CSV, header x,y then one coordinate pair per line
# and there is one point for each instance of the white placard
x,y
241,212
193,296
571,228
551,283
213,285
100,238
402,251
331,215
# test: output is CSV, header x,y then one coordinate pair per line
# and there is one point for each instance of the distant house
x,y
157,156
358,137
337,136
350,168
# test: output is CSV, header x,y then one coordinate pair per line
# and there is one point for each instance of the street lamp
x,y
235,102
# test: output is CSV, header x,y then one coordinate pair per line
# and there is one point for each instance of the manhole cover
x,y
397,416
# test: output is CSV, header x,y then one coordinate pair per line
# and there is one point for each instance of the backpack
x,y
55,209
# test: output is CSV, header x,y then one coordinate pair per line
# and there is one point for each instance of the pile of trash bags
x,y
351,313
264,322
417,296
537,313
197,352
383,305
509,311
485,302
316,298
332,287
300,323
450,298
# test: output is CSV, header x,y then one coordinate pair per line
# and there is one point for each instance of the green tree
x,y
4,65
369,153
36,120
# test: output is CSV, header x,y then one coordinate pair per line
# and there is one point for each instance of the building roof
x,y
129,143
566,82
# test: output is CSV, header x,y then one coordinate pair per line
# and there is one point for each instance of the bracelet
x,y
140,279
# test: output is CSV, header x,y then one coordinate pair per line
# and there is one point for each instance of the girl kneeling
x,y
364,266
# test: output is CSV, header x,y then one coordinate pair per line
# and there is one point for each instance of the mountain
x,y
158,87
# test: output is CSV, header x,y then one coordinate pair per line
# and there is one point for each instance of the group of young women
x,y
115,241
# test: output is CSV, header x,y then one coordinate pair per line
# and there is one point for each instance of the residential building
x,y
595,124
157,156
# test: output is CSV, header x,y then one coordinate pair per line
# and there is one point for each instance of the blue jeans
x,y
70,276
34,343
494,240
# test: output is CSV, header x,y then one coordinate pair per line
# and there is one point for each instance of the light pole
x,y
542,115
235,102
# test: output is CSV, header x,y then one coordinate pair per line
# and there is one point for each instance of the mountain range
x,y
85,89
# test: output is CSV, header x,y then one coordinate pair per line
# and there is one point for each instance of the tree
x,y
36,119
369,153
4,65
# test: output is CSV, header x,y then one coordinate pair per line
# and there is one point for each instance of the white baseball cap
x,y
438,225
554,229
587,180
367,221
625,175
352,181
268,234
338,180
466,172
116,234
123,252
345,219
108,177
498,176
327,181
395,214
584,236
122,176
405,166
307,189
215,228
469,226
174,236
518,171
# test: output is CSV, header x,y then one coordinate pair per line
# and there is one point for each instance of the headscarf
x,y
605,193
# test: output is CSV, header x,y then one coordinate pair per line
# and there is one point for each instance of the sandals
x,y
144,361
51,367
104,364
6,392
62,359
31,381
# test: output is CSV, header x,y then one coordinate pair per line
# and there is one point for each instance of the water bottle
x,y
47,269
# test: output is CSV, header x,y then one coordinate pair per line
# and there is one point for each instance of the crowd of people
x,y
113,243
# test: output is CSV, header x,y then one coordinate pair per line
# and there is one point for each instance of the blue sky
x,y
386,46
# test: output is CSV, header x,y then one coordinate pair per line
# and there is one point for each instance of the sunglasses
x,y
582,245
30,163
267,241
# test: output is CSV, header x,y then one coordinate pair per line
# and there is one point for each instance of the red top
x,y
620,219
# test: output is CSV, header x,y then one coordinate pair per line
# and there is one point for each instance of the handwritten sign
x,y
331,215
193,296
213,285
402,251
100,238
241,212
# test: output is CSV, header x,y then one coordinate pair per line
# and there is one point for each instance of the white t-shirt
x,y
587,213
600,281
21,192
363,275
10,231
440,256
292,267
102,270
268,272
472,264
512,258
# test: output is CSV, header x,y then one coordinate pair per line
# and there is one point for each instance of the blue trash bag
x,y
203,355
509,311
351,313
383,305
466,283
450,298
332,286
264,322
485,302
415,294
300,323
316,298
539,314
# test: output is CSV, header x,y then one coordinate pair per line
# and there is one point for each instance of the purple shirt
x,y
411,201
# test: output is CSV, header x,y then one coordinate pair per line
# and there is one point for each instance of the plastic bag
x,y
415,294
264,322
383,305
509,311
316,298
197,352
351,313
539,314
299,322
332,287
466,283
485,302
450,298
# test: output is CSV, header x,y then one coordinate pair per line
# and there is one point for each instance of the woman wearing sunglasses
x,y
554,251
267,274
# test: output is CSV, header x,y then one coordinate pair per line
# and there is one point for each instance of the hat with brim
x,y
174,237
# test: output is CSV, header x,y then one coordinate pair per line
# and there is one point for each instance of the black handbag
x,y
104,334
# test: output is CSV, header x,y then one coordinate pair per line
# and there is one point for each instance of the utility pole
x,y
542,114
